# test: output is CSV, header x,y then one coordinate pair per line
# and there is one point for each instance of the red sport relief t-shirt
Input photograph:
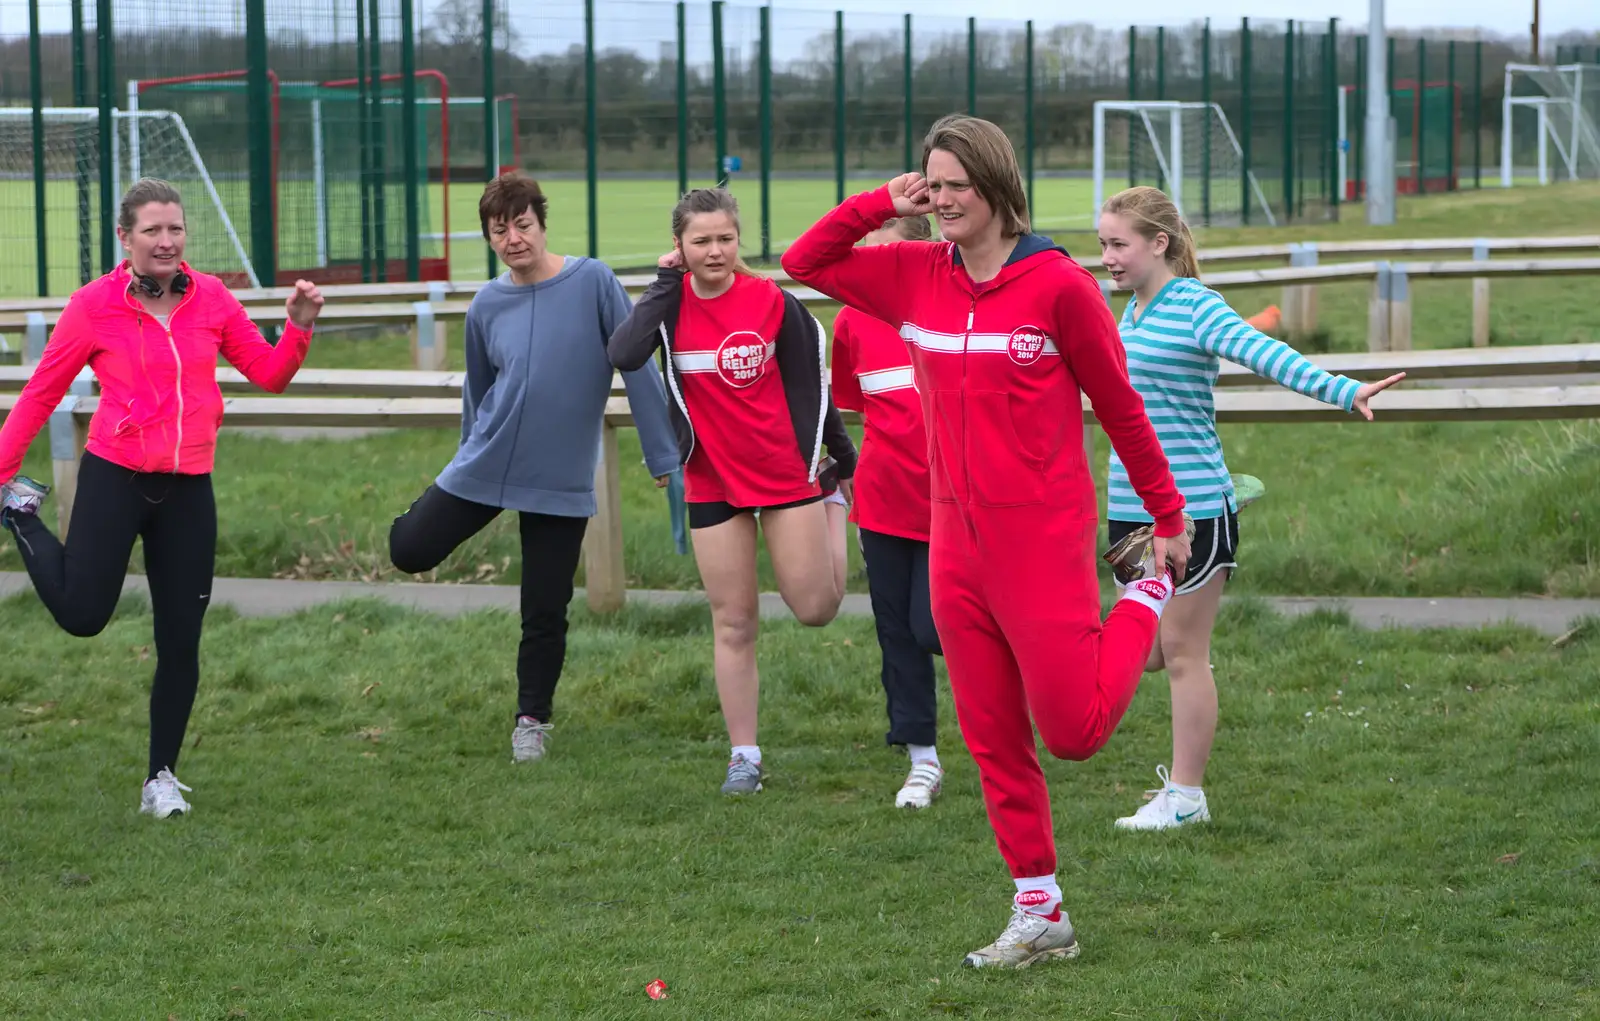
x,y
745,452
872,374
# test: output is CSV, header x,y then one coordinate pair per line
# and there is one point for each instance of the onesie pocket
x,y
1003,470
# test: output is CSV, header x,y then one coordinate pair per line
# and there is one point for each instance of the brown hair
x,y
708,200
145,191
986,154
508,197
1153,214
912,228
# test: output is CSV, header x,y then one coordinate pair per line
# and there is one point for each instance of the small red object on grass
x,y
656,990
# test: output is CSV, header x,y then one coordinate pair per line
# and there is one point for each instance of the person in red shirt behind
x,y
746,365
872,374
1007,333
151,331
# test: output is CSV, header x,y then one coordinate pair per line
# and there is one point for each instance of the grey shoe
x,y
1027,939
530,740
744,776
22,495
1130,557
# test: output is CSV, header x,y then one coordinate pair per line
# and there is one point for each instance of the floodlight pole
x,y
1379,133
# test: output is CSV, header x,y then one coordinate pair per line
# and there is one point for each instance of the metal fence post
x,y
408,138
838,107
1027,114
765,73
1419,128
1245,127
1477,113
1205,144
972,66
719,99
380,162
36,99
106,72
591,129
263,237
491,119
683,100
1288,122
907,74
364,131
1455,115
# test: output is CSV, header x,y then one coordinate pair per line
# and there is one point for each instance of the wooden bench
x,y
605,570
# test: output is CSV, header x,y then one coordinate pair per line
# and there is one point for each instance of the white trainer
x,y
162,796
1028,938
529,740
1168,809
921,787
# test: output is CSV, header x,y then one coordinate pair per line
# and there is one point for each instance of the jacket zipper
x,y
677,396
966,423
822,407
172,344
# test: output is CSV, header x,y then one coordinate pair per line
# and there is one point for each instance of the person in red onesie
x,y
1007,333
746,366
872,374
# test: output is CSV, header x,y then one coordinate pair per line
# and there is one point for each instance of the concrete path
x,y
268,597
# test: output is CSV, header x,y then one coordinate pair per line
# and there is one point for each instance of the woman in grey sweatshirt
x,y
537,384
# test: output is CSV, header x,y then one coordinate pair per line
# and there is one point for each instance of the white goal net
x,y
1552,123
1188,150
72,162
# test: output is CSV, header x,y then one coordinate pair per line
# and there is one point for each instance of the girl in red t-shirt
x,y
746,365
872,374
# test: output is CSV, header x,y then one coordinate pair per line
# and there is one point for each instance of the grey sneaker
x,y
744,776
23,495
162,797
529,741
1128,558
1027,939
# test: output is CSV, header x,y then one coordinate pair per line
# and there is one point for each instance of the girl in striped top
x,y
1176,331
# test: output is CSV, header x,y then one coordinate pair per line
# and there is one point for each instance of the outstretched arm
x,y
272,367
64,357
872,279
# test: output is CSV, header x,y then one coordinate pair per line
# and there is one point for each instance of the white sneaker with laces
x,y
529,739
162,796
1168,809
921,787
1028,938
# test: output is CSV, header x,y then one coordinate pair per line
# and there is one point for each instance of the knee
x,y
84,623
817,613
1072,747
406,553
735,629
1188,664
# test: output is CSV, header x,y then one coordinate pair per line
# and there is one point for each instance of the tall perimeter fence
x,y
347,140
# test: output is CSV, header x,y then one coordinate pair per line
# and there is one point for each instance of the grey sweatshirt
x,y
536,390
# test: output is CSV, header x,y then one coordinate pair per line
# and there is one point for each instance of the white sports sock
x,y
1192,793
1155,593
836,497
1039,895
751,752
923,753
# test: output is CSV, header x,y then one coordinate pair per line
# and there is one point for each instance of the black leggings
x,y
897,580
80,581
437,523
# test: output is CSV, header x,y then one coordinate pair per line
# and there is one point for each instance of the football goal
x,y
1551,115
72,162
1188,150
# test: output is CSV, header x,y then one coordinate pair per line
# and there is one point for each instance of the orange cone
x,y
1267,320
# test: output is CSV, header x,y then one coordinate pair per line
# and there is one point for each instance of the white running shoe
x,y
1027,939
162,796
1169,809
921,787
529,740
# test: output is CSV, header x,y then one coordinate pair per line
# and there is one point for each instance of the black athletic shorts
x,y
715,512
1215,548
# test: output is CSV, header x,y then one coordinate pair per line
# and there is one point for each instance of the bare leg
x,y
726,556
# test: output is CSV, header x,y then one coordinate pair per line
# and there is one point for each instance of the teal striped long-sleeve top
x,y
1175,347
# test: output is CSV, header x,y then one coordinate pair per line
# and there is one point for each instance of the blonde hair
x,y
1152,214
912,228
985,153
709,200
142,193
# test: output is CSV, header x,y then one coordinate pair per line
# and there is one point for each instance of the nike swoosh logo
x,y
1185,818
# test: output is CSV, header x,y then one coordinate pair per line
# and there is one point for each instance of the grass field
x,y
1403,828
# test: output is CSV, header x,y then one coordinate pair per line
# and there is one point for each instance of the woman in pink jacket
x,y
151,330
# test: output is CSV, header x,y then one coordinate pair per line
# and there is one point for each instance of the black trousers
x,y
897,580
81,580
437,523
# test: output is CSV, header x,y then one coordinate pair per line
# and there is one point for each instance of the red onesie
x,y
872,374
1002,369
745,453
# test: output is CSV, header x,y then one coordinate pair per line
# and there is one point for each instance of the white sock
x,y
836,497
1155,593
923,753
1039,895
751,752
1192,793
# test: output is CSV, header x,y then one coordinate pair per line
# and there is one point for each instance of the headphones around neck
x,y
152,287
